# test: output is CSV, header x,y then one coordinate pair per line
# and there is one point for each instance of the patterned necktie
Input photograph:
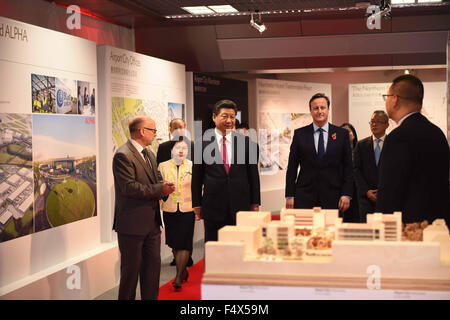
x,y
320,146
224,155
147,157
377,151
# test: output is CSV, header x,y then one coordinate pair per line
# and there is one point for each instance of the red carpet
x,y
191,290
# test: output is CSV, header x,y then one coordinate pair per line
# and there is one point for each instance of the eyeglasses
x,y
377,122
387,95
154,130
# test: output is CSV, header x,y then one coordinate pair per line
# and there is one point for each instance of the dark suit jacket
x,y
225,194
365,172
414,170
165,151
138,189
320,184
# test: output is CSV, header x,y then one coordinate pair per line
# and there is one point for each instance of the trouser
x,y
140,257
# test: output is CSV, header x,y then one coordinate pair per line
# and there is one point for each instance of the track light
x,y
257,23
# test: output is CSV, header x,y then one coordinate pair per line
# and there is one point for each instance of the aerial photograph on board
x,y
16,176
64,164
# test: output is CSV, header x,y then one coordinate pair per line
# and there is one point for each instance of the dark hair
x,y
383,113
408,87
228,104
236,123
243,125
355,136
319,95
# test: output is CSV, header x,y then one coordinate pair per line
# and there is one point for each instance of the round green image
x,y
69,201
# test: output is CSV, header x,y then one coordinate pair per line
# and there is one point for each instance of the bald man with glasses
x,y
138,188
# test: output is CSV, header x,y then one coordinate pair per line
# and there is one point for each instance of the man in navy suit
x,y
225,176
415,162
323,152
366,159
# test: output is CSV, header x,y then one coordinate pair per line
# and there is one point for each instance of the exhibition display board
x,y
365,98
282,107
48,149
133,84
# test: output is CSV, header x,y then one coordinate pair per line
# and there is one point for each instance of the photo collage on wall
x,y
48,159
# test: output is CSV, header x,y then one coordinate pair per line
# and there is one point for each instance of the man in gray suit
x,y
138,188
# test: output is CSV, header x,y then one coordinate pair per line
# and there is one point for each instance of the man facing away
x,y
414,166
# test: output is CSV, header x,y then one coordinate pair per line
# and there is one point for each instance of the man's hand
x,y
167,188
254,207
372,195
344,204
290,203
198,213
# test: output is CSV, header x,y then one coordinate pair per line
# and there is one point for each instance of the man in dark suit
x,y
415,162
138,188
324,154
226,167
365,167
177,130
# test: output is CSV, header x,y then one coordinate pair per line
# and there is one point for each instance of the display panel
x,y
48,149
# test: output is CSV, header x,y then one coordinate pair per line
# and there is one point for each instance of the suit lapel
x,y
371,152
141,160
310,142
331,142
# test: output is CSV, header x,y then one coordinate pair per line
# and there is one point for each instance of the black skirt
x,y
179,229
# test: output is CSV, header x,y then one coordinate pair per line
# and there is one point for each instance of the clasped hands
x,y
167,188
343,205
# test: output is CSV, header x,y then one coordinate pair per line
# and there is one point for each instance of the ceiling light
x,y
198,10
402,1
257,23
223,9
425,1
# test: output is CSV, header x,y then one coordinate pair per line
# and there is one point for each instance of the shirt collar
x,y
220,136
382,138
403,119
136,144
325,127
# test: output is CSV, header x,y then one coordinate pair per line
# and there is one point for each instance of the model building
x,y
317,242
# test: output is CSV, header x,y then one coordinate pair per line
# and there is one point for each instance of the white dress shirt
x,y
138,147
325,136
380,143
219,138
403,119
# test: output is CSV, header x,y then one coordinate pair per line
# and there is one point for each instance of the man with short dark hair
x,y
414,166
225,179
323,153
366,159
138,187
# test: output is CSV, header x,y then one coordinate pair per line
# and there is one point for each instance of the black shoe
x,y
176,285
190,262
173,263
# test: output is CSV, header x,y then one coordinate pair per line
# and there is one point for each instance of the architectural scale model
x,y
315,242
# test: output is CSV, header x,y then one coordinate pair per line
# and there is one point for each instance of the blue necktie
x,y
320,146
377,151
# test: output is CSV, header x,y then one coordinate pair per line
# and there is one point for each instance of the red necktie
x,y
224,155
